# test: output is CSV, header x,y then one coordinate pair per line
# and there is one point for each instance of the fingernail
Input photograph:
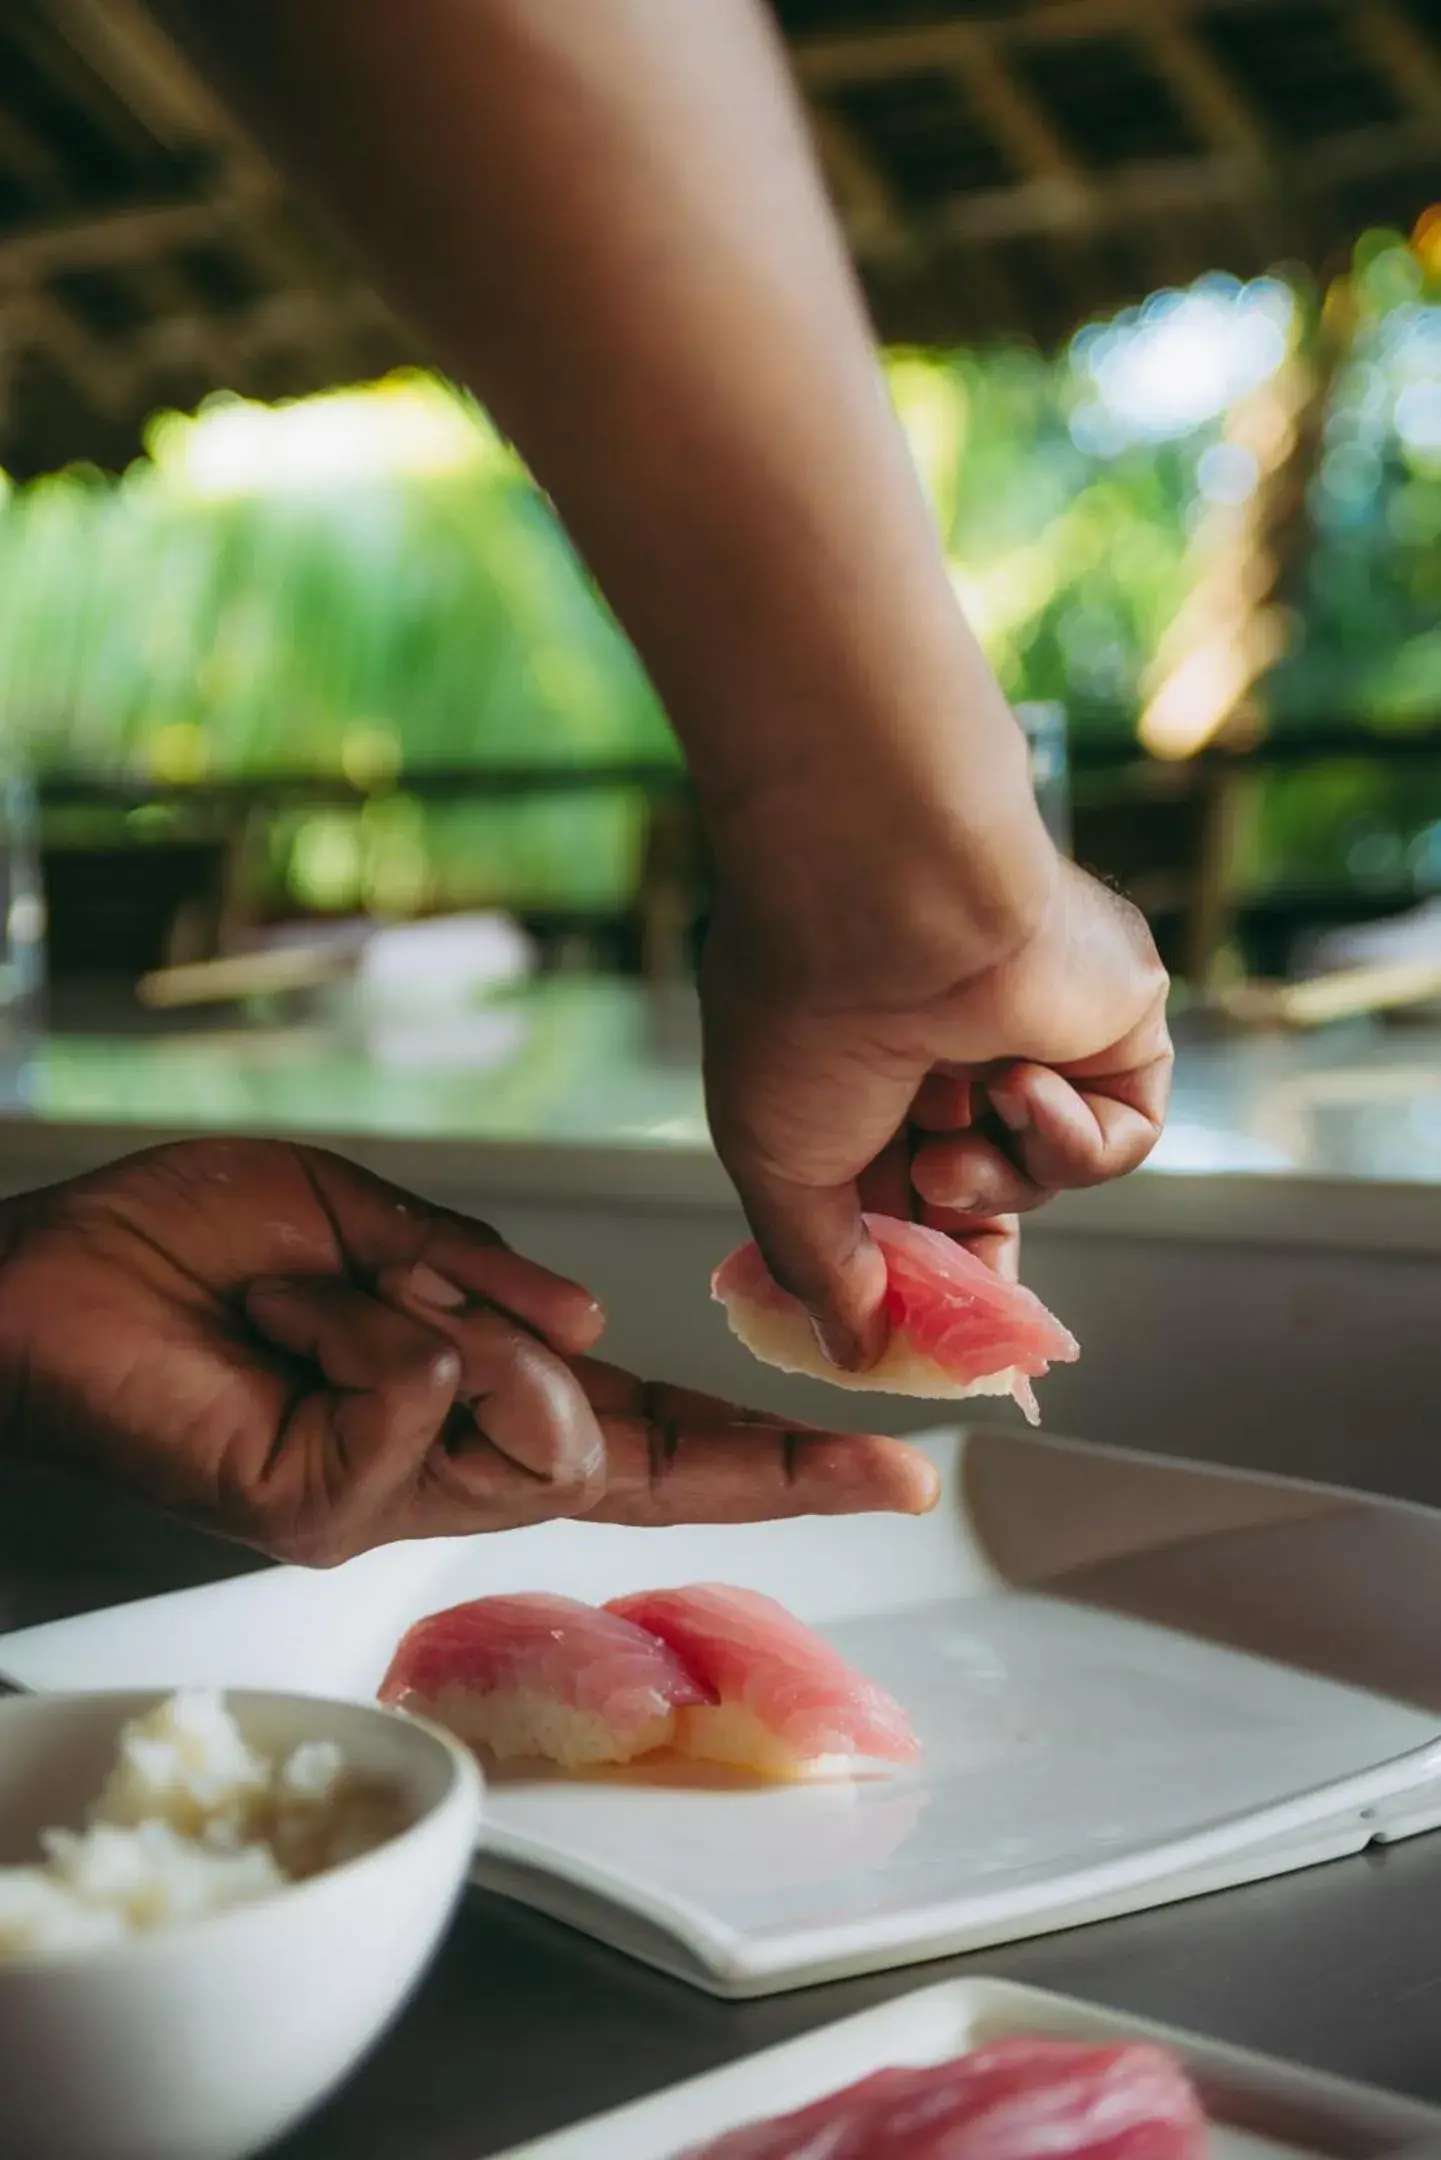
x,y
1011,1110
838,1344
428,1288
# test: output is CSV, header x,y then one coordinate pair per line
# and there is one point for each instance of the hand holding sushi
x,y
898,1066
288,1351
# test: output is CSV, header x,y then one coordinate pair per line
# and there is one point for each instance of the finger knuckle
x,y
319,1544
568,1497
531,1375
302,1522
440,1370
327,1550
429,1368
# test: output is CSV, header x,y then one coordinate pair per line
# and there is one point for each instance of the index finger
x,y
663,1470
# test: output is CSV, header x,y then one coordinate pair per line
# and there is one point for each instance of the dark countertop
x,y
522,2027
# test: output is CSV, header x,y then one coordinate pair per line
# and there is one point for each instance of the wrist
x,y
887,883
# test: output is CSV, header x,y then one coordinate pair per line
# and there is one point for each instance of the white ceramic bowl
x,y
207,2042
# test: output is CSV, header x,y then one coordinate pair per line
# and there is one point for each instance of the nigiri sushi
x,y
777,1699
957,1328
527,1676
1018,2099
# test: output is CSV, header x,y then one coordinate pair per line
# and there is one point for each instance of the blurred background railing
x,y
289,640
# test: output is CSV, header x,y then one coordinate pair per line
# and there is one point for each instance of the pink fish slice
x,y
1023,2099
539,1676
957,1328
780,1701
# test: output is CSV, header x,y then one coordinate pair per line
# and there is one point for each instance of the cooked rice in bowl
x,y
191,1821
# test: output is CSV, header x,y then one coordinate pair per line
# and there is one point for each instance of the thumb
x,y
815,1242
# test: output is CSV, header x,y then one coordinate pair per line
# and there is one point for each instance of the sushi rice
x,y
191,1821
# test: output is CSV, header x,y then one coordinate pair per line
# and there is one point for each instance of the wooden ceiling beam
x,y
864,198
130,54
326,308
1037,207
169,297
26,157
102,240
322,334
1369,153
1222,115
254,219
1020,124
844,59
829,61
35,321
118,379
38,29
1212,101
1198,183
1401,53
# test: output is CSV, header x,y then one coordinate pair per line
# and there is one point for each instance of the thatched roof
x,y
1002,166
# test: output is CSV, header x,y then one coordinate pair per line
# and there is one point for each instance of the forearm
x,y
607,220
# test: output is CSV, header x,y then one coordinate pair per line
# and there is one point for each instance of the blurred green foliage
x,y
369,585
223,611
189,621
1365,650
1367,644
223,616
1068,553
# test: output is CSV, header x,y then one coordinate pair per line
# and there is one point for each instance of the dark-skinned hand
x,y
272,1343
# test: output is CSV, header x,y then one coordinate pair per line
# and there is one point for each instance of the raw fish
x,y
778,1699
1013,2100
956,1327
527,1676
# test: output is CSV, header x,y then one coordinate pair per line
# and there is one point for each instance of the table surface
x,y
523,2027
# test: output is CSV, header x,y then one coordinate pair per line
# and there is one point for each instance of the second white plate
x,y
1259,2109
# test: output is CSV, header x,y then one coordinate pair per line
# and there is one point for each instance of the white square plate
x,y
1259,2109
1132,1682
